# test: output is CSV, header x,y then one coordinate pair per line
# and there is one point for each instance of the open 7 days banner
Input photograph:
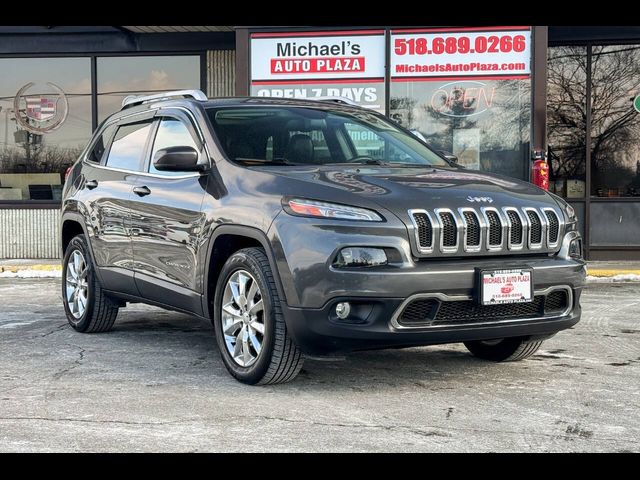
x,y
316,64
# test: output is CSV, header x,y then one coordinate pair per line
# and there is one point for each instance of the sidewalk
x,y
604,271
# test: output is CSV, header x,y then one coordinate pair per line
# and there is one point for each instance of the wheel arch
x,y
71,225
226,240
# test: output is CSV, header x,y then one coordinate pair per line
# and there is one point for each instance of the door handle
x,y
141,191
91,184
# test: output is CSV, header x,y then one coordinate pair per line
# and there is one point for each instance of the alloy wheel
x,y
243,318
77,285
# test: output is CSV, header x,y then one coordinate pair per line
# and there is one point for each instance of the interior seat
x,y
300,149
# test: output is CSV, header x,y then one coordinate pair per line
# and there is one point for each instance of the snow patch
x,y
625,277
32,274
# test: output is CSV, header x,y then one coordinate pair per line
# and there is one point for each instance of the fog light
x,y
360,257
575,248
343,309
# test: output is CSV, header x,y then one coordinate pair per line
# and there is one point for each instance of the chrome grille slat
x,y
553,232
486,230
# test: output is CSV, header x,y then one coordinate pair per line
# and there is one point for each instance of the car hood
x,y
400,189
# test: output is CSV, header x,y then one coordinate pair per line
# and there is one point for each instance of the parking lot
x,y
156,383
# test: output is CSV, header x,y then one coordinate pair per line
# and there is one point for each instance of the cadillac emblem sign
x,y
40,113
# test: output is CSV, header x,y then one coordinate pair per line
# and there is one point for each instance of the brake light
x,y
67,172
540,175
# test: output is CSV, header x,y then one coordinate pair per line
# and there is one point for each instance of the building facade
x,y
497,97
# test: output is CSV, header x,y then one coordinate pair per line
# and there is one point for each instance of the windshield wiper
x,y
364,161
262,161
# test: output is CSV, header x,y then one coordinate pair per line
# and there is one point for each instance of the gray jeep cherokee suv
x,y
309,227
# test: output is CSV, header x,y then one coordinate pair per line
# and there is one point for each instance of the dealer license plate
x,y
506,286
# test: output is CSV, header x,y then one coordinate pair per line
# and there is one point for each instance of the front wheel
x,y
503,350
250,329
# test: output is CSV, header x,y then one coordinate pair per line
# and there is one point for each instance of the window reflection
x,y
121,76
615,124
127,149
32,163
566,120
485,123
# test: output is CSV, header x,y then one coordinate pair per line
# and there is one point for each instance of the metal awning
x,y
178,29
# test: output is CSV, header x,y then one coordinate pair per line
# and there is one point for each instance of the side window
x,y
128,145
366,142
171,133
101,144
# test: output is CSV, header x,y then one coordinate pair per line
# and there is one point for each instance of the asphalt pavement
x,y
156,383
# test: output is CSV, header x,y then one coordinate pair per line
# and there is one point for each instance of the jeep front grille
x,y
554,227
473,228
449,230
486,230
425,230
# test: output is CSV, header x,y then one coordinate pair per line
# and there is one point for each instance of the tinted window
x,y
316,136
102,143
171,133
128,146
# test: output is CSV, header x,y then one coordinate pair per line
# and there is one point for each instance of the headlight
x,y
315,208
571,213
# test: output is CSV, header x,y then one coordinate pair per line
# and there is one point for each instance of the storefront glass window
x,y
45,122
144,75
615,123
567,120
485,123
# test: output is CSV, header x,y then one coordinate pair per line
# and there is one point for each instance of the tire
x,y
505,350
99,311
278,359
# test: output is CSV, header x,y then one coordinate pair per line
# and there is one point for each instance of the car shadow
x,y
192,350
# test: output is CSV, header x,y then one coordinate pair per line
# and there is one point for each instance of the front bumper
x,y
315,334
319,332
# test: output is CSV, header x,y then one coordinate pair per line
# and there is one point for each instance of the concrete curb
x,y
40,268
611,272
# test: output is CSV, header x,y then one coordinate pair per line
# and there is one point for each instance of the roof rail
x,y
345,100
133,100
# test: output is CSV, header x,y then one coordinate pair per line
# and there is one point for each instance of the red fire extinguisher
x,y
540,171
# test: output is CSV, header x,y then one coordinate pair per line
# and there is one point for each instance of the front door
x,y
167,222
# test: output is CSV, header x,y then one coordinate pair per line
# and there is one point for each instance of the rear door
x,y
108,186
167,221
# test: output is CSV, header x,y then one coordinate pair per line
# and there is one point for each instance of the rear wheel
x,y
503,350
87,308
250,329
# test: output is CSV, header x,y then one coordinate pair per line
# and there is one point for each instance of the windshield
x,y
282,135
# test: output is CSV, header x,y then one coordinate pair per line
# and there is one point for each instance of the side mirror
x,y
177,159
449,156
419,135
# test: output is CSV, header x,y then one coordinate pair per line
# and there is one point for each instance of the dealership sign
x,y
348,64
501,52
